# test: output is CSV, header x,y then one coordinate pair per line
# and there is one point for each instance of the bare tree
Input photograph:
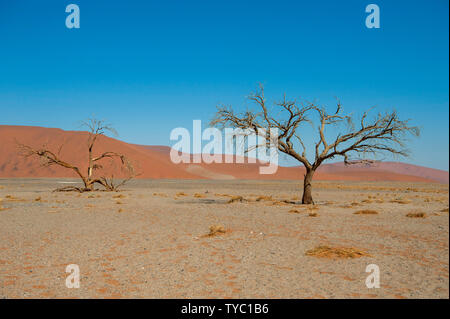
x,y
384,133
96,128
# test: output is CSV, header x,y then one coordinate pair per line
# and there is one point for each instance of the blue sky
x,y
150,66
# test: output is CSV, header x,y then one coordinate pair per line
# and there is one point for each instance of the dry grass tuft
x,y
279,203
119,196
120,210
264,198
160,194
14,199
400,201
38,199
351,205
223,195
366,212
313,215
215,230
295,211
335,252
119,202
198,195
236,199
181,194
416,215
444,210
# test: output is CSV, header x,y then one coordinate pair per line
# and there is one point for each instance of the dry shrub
x,y
38,199
119,202
335,252
444,210
366,212
416,215
91,196
120,210
236,199
119,196
215,230
198,195
295,211
313,215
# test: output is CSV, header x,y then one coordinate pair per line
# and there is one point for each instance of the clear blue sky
x,y
150,66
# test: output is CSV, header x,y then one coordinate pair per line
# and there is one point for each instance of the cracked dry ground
x,y
148,240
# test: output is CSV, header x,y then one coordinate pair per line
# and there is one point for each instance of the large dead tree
x,y
383,133
96,128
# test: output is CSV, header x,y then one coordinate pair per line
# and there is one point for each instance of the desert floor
x,y
148,241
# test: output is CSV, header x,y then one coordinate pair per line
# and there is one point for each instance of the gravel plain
x,y
149,240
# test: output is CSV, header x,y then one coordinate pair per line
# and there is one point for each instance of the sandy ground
x,y
150,244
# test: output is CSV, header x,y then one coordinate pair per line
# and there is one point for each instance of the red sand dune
x,y
154,161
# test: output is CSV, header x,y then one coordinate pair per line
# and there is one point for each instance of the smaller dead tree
x,y
96,128
382,133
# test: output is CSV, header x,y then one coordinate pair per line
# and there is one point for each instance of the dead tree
x,y
96,129
384,133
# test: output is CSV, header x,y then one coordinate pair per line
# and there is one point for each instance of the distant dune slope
x,y
154,161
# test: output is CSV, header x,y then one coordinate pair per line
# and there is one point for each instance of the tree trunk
x,y
307,197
